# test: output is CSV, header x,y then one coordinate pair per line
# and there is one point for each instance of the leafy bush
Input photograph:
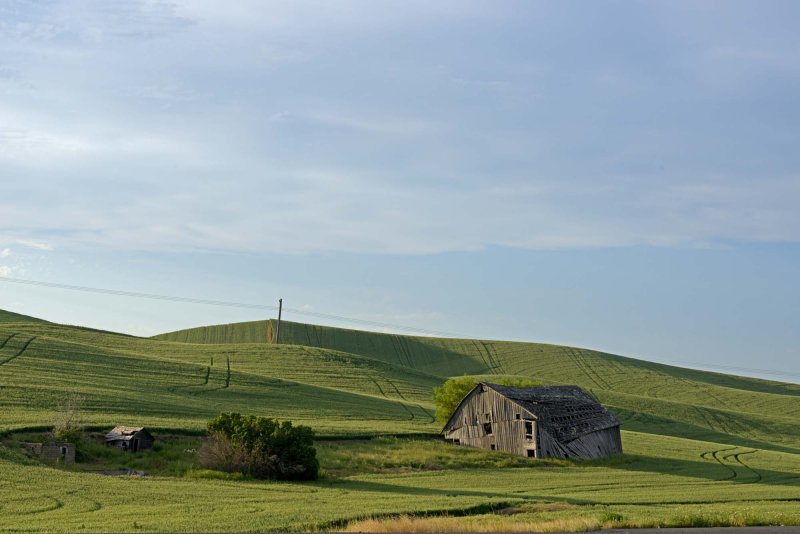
x,y
260,447
452,392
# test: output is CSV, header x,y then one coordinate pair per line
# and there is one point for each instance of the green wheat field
x,y
701,448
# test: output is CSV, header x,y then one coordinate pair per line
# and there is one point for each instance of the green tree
x,y
260,447
449,395
67,424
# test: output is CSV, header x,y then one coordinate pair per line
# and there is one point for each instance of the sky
x,y
622,176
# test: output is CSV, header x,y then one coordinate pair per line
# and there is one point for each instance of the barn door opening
x,y
136,445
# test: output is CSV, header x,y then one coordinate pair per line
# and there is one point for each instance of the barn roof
x,y
124,433
566,412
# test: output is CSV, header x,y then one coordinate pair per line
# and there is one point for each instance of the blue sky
x,y
615,175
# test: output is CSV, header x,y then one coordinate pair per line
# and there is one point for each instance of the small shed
x,y
130,438
540,422
55,451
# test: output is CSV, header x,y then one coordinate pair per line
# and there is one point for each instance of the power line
x,y
229,304
319,315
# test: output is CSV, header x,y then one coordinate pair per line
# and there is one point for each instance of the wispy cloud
x,y
300,127
38,245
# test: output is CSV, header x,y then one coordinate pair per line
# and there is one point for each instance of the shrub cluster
x,y
260,447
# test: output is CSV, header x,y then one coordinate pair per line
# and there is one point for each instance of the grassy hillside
x,y
11,317
646,396
699,447
129,380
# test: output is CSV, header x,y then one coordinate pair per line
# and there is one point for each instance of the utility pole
x,y
278,329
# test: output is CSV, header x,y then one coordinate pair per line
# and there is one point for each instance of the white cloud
x,y
38,245
342,211
6,252
36,147
6,271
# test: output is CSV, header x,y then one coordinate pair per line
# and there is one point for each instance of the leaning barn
x,y
130,438
540,422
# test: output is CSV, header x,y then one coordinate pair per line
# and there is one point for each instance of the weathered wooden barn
x,y
540,422
130,438
56,451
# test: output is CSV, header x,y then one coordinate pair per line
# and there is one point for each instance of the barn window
x,y
528,429
487,427
63,451
518,416
494,447
531,453
456,441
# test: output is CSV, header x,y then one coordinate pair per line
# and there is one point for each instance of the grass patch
x,y
170,456
701,448
397,454
564,517
482,523
210,474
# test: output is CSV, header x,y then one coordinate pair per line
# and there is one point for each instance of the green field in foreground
x,y
699,446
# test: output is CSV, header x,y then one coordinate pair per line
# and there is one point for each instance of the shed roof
x,y
125,433
566,412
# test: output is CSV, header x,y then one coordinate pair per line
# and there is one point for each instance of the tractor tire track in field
x,y
724,425
2,346
588,365
491,353
715,456
483,356
379,387
705,417
579,365
204,382
93,504
406,408
56,504
404,401
208,373
585,369
426,412
409,355
19,352
397,345
700,390
737,457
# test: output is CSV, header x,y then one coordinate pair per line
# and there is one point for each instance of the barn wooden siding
x,y
507,421
487,419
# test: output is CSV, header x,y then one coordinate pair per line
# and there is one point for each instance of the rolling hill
x,y
734,440
648,397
